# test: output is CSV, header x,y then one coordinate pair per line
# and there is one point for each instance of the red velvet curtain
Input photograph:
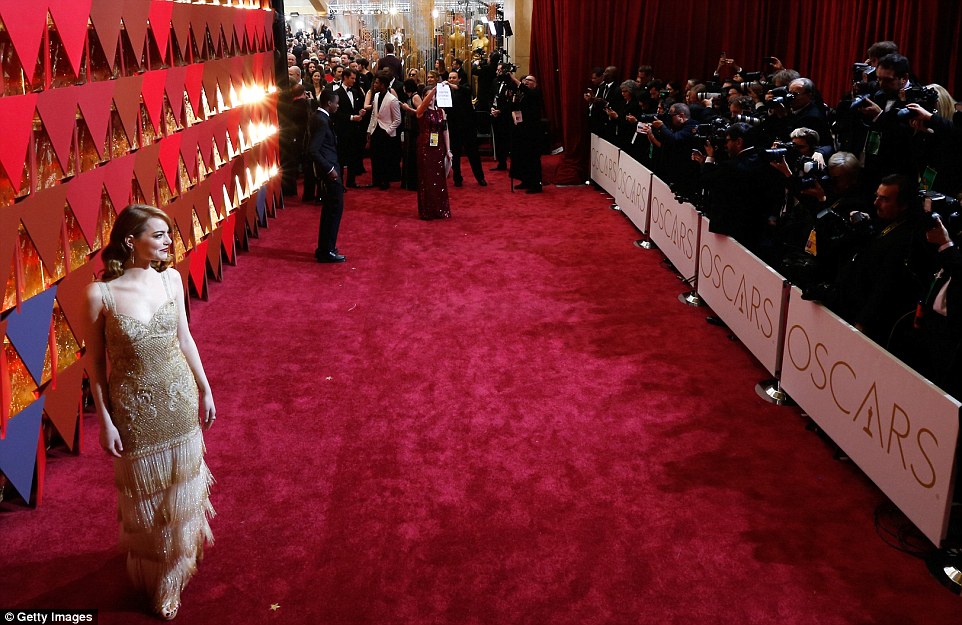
x,y
684,38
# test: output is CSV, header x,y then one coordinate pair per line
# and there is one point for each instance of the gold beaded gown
x,y
161,478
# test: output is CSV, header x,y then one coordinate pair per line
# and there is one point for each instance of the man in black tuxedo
x,y
349,126
463,129
485,73
501,123
323,152
596,108
608,98
391,62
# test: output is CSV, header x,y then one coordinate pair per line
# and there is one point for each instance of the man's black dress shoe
x,y
535,189
498,168
521,185
329,257
482,183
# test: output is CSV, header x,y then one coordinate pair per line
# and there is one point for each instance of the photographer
x,y
674,143
834,236
885,279
808,111
801,168
501,122
596,105
527,134
607,98
938,324
743,193
888,141
626,121
936,142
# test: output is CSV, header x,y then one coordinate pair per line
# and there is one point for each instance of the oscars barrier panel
x,y
747,294
897,427
634,191
674,228
604,164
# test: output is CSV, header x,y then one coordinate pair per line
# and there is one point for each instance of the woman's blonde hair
x,y
132,221
946,105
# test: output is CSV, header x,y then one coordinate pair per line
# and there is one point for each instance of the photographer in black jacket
x,y
743,192
527,135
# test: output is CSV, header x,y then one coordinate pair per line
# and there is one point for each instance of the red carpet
x,y
506,418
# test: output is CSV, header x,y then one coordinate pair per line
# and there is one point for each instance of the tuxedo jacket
x,y
323,146
346,109
387,116
392,63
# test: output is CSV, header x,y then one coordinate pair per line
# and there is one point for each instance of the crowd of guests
x,y
856,204
342,104
385,127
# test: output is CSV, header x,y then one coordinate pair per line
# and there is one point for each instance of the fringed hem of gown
x,y
164,508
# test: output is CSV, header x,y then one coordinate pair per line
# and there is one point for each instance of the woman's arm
x,y
97,370
425,102
207,413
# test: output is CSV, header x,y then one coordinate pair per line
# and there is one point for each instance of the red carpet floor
x,y
506,418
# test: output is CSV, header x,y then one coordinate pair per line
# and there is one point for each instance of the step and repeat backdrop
x,y
105,104
899,428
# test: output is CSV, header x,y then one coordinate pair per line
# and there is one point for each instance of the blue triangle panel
x,y
29,330
262,204
18,451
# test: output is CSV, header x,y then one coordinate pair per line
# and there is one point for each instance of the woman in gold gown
x,y
152,407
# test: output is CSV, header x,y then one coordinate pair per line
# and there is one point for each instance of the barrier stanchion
x,y
749,297
674,228
633,195
771,390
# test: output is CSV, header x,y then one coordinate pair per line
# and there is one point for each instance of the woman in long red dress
x,y
433,149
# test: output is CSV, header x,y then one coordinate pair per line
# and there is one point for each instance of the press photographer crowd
x,y
858,205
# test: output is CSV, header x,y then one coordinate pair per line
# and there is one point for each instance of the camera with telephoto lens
x,y
508,68
923,96
863,99
708,95
713,132
749,119
940,206
781,149
781,96
863,72
810,173
750,77
647,118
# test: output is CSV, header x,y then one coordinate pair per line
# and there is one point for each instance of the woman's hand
x,y
207,411
110,439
